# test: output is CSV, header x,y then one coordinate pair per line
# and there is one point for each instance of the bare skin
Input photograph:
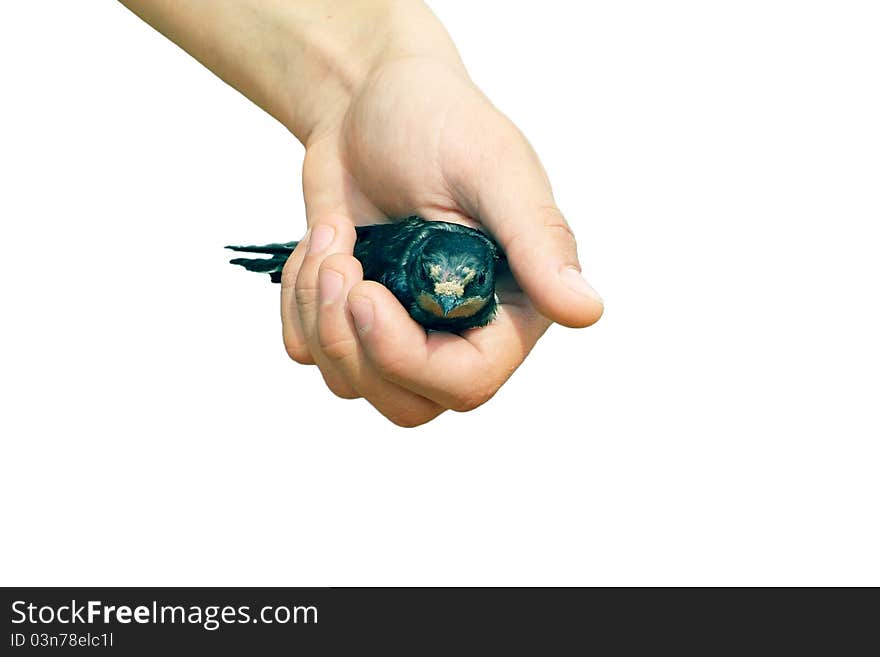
x,y
392,126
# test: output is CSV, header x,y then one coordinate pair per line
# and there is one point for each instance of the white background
x,y
720,163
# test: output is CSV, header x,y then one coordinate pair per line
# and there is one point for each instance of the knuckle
x,y
343,391
339,386
342,262
290,272
465,404
336,349
306,291
473,399
406,422
391,366
298,352
552,217
409,419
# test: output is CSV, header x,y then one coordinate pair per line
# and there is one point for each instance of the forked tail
x,y
273,265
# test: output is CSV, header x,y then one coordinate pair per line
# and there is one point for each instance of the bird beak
x,y
448,302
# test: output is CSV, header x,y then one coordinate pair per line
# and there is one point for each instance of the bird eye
x,y
481,278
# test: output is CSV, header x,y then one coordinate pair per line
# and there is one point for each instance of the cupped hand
x,y
419,138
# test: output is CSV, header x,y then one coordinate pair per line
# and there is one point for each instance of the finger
x,y
331,202
511,195
329,234
338,341
291,329
511,335
443,367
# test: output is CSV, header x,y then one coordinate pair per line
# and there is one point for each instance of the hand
x,y
419,137
392,126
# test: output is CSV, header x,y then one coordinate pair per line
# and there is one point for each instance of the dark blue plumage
x,y
442,273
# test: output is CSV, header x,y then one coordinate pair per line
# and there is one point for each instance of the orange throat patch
x,y
467,308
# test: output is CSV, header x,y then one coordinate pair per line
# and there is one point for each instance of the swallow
x,y
442,273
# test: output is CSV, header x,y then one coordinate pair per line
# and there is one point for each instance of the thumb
x,y
511,196
542,254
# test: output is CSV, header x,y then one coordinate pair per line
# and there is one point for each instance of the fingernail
x,y
362,311
321,238
574,280
329,286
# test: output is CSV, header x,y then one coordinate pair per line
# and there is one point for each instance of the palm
x,y
389,155
418,137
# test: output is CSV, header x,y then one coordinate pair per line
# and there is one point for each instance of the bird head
x,y
453,278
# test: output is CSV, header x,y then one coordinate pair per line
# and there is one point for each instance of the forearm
x,y
300,60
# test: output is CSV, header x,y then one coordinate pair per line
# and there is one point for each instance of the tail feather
x,y
272,266
285,248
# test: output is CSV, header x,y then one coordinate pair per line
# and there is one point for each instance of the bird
x,y
442,273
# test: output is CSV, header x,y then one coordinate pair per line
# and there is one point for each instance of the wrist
x,y
300,60
338,51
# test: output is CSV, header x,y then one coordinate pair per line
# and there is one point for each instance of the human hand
x,y
419,138
392,126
